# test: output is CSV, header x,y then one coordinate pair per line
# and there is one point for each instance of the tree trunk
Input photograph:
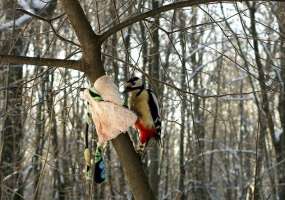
x,y
91,47
216,113
58,189
280,146
153,166
12,130
264,114
200,190
182,38
39,131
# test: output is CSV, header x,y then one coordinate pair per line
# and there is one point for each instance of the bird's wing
x,y
155,111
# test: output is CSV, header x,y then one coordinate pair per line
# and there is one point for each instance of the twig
x,y
49,21
141,16
179,89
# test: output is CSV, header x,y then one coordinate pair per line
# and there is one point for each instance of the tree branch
x,y
94,68
88,39
151,13
80,23
141,16
69,64
50,22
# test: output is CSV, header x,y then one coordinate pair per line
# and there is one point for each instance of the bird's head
x,y
133,83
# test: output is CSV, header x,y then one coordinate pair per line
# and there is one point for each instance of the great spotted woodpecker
x,y
144,103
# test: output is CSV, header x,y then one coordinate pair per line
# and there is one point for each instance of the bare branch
x,y
151,13
94,69
40,17
80,23
69,64
27,8
32,14
49,21
141,16
89,41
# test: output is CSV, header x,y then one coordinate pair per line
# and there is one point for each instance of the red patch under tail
x,y
145,134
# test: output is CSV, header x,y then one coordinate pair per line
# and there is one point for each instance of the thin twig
x,y
49,21
141,16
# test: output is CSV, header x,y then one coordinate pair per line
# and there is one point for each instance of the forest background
x,y
218,69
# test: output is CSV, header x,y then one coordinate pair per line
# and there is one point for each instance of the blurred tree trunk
x,y
216,114
182,38
153,167
144,48
264,113
40,119
65,162
12,131
271,51
12,134
165,161
126,72
58,193
39,140
115,67
127,44
77,123
280,145
200,190
121,184
242,135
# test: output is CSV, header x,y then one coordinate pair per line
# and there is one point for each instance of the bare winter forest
x,y
217,68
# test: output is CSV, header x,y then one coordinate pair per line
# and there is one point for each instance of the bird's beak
x,y
126,90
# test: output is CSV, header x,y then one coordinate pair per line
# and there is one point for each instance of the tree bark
x,y
200,190
91,64
154,65
12,130
264,114
94,69
280,150
182,37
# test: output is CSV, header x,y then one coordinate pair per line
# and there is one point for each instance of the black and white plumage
x,y
144,103
155,111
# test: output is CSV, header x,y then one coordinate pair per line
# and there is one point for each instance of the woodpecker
x,y
144,103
